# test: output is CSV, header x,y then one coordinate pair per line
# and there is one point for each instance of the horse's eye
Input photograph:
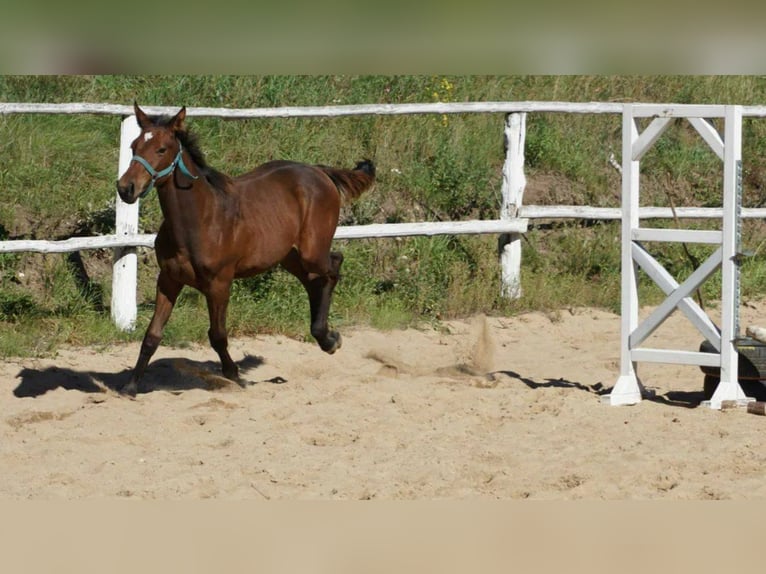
x,y
161,150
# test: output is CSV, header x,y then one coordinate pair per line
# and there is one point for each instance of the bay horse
x,y
218,228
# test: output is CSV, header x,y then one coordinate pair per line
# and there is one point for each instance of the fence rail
x,y
382,230
513,216
320,111
346,110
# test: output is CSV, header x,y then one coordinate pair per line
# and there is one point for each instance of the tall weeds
x,y
57,180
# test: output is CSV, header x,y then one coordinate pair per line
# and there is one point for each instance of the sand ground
x,y
490,408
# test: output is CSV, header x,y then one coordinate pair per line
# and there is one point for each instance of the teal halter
x,y
178,161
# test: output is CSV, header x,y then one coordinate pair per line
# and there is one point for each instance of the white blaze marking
x,y
148,136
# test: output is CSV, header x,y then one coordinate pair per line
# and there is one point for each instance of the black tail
x,y
352,182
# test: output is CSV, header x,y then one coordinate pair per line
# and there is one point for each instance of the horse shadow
x,y
172,375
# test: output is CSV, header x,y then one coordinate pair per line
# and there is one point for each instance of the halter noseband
x,y
178,161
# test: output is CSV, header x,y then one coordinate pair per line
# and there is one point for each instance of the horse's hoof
x,y
232,374
336,341
130,389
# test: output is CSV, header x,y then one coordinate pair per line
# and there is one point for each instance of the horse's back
x,y
289,182
276,168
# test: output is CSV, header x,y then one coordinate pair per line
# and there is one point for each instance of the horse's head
x,y
156,153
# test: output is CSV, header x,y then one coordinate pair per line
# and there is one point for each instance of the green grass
x,y
57,180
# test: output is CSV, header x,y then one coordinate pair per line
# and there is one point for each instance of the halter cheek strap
x,y
178,161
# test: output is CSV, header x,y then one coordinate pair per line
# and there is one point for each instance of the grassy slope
x,y
57,174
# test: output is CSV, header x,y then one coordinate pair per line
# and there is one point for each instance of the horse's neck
x,y
183,207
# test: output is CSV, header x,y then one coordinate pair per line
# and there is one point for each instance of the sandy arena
x,y
490,408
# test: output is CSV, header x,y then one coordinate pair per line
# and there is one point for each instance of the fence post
x,y
513,186
125,265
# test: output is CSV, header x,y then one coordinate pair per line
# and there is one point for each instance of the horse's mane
x,y
188,140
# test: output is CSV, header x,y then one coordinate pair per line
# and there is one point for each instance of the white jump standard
x,y
628,389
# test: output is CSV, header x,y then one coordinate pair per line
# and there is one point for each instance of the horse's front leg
x,y
217,295
167,293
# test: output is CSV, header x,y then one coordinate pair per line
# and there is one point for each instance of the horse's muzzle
x,y
127,192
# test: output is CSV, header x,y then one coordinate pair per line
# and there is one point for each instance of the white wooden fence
x,y
513,215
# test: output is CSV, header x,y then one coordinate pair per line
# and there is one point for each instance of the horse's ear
x,y
178,120
142,119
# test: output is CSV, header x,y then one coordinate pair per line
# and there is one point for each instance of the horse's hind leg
x,y
319,284
167,293
320,296
217,303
